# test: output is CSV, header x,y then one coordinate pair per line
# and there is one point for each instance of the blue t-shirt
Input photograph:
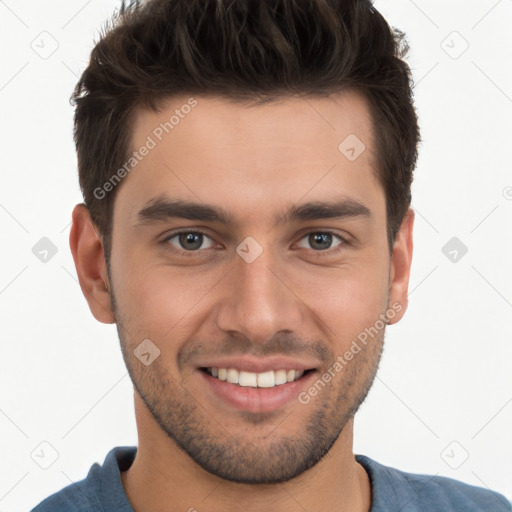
x,y
392,490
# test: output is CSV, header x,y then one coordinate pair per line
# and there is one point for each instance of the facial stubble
x,y
270,454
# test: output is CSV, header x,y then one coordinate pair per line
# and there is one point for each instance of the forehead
x,y
252,156
249,124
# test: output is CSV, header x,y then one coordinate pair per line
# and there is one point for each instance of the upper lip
x,y
258,365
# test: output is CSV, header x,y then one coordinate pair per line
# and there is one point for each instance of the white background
x,y
446,369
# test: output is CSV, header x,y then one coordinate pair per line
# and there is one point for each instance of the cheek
x,y
347,299
158,299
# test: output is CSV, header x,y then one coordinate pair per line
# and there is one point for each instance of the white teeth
x,y
232,376
280,377
266,380
249,379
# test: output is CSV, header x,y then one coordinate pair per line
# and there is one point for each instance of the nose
x,y
259,300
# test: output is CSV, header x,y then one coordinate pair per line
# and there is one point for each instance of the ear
x,y
87,249
400,269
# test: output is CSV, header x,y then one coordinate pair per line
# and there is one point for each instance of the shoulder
x,y
78,497
98,491
392,489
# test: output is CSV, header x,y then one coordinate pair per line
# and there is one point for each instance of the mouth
x,y
265,391
268,379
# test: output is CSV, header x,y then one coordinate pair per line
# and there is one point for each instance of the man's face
x,y
265,293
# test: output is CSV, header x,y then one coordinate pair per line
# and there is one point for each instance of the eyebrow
x,y
162,208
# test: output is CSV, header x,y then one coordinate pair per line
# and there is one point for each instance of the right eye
x,y
188,241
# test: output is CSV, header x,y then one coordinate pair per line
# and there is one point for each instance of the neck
x,y
163,478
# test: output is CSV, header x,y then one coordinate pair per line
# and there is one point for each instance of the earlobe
x,y
400,270
88,253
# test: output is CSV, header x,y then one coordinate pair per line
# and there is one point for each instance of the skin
x,y
253,161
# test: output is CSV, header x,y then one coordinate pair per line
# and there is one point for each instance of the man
x,y
246,169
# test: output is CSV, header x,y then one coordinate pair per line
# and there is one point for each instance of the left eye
x,y
321,240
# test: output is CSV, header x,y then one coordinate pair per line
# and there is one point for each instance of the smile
x,y
243,378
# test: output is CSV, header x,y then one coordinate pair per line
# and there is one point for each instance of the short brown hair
x,y
243,50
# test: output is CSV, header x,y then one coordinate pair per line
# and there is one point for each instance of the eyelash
x,y
317,254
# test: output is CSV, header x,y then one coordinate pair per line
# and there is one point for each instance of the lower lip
x,y
257,399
